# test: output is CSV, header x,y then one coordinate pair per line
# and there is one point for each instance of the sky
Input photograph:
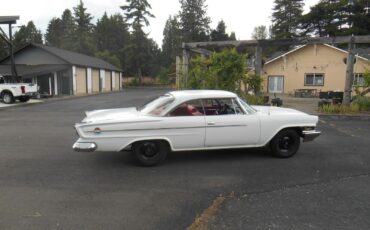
x,y
240,16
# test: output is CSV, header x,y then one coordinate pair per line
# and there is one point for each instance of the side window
x,y
218,106
238,110
189,108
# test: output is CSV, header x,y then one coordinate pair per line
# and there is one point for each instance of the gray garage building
x,y
59,71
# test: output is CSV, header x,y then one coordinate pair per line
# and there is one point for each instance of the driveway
x,y
46,185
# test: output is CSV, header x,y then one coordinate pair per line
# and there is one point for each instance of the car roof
x,y
201,94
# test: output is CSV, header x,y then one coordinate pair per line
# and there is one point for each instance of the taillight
x,y
23,88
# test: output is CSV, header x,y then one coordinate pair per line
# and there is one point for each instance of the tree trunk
x,y
140,76
349,73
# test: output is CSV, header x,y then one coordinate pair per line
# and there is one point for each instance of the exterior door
x,y
229,127
276,84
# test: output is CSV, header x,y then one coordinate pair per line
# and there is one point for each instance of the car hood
x,y
272,110
107,115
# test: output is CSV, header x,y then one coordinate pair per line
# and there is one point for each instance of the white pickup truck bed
x,y
9,92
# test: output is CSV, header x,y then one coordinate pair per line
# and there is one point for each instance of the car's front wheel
x,y
150,153
285,144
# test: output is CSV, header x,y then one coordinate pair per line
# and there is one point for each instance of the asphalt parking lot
x,y
44,184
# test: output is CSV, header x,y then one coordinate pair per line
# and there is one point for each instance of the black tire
x,y
150,153
7,98
24,99
285,144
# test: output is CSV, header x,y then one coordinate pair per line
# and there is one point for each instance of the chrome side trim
x,y
310,135
84,146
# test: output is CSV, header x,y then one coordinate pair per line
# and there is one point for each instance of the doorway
x,y
276,84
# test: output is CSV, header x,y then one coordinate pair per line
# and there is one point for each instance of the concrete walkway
x,y
307,105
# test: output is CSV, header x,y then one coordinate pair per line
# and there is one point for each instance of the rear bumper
x,y
84,146
310,135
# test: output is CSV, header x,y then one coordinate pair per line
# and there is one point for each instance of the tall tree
x,y
84,42
111,33
137,52
337,18
68,27
54,33
259,32
171,44
4,49
285,18
194,21
27,34
219,34
137,12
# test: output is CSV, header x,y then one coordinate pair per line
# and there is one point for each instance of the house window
x,y
358,79
314,79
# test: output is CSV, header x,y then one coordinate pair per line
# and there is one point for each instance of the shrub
x,y
222,70
163,76
339,109
252,99
253,83
362,102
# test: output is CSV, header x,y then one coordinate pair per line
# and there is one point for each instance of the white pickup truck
x,y
9,92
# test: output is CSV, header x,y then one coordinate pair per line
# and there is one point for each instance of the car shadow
x,y
223,155
124,158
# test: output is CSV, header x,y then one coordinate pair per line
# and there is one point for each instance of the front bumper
x,y
84,146
310,135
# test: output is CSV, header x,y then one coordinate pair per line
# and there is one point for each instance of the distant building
x,y
59,71
319,67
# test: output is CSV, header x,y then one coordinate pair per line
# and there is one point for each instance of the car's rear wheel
x,y
150,153
8,98
285,144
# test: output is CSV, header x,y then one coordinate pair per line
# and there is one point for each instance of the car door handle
x,y
211,123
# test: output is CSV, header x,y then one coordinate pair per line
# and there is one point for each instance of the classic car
x,y
194,120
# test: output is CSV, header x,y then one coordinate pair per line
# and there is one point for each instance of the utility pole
x,y
10,20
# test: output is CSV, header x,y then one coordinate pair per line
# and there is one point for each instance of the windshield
x,y
157,106
247,107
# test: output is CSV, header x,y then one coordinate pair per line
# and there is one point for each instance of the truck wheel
x,y
8,98
24,99
285,144
150,153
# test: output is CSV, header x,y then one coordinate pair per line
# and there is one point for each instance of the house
x,y
59,71
316,67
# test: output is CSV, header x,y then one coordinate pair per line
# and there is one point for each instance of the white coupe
x,y
194,120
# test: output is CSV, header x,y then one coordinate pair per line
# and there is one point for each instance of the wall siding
x,y
108,81
322,60
95,81
81,83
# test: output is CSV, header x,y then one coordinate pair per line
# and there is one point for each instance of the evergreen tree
x,y
111,33
259,32
54,33
68,28
194,22
137,12
337,18
27,34
137,53
171,44
232,36
219,34
4,49
83,36
285,18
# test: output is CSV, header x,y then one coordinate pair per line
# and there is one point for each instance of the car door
x,y
228,125
186,126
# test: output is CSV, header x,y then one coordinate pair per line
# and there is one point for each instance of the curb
x,y
21,105
362,117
